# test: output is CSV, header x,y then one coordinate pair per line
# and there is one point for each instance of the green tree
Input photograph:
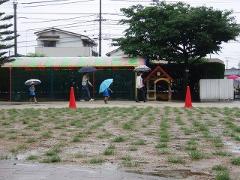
x,y
5,35
176,32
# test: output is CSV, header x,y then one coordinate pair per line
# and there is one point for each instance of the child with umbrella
x,y
104,88
32,93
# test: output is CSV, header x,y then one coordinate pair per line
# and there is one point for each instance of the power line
x,y
40,2
51,20
63,19
64,25
63,13
73,2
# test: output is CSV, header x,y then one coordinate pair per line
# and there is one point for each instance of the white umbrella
x,y
142,68
32,82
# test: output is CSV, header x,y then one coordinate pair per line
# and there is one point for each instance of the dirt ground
x,y
99,103
158,139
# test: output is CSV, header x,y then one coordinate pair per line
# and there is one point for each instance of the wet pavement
x,y
15,170
99,104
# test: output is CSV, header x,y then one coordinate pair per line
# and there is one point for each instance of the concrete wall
x,y
66,46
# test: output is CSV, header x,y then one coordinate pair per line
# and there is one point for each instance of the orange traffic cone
x,y
72,102
188,99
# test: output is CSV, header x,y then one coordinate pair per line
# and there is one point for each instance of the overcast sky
x,y
80,16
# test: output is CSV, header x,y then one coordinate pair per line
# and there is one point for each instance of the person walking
x,y
140,88
106,95
85,88
104,88
32,94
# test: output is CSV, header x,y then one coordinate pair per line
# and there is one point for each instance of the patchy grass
x,y
128,125
139,142
191,145
32,158
31,140
196,155
217,142
119,139
51,159
18,148
222,175
133,148
222,172
78,155
46,134
110,150
219,168
137,138
161,145
105,135
12,137
236,161
4,157
164,151
76,139
96,160
2,135
222,153
176,160
127,161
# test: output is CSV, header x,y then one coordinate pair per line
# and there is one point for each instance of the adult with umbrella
x,y
104,88
86,83
141,94
32,93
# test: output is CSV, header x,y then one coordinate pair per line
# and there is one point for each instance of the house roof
x,y
113,51
68,62
83,37
157,69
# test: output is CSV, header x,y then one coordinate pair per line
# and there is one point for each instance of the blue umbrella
x,y
105,84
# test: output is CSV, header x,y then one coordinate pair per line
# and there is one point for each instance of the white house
x,y
116,52
60,43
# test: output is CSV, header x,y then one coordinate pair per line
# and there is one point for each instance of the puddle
x,y
174,173
16,170
232,147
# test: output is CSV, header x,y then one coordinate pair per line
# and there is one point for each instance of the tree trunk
x,y
186,72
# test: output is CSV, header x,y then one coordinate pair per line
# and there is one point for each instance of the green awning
x,y
69,62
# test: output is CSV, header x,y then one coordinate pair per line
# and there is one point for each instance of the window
x,y
49,43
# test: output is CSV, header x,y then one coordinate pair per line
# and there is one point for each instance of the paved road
x,y
27,171
94,104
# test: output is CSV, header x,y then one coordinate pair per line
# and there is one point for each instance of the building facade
x,y
55,42
58,74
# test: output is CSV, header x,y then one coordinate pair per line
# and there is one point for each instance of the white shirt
x,y
139,82
84,80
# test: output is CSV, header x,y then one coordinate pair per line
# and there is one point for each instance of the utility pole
x,y
15,28
100,29
227,64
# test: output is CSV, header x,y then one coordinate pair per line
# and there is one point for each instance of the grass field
x,y
200,143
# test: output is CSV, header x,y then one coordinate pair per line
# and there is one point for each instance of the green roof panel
x,y
40,62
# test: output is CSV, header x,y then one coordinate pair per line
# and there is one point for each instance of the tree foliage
x,y
6,35
176,32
